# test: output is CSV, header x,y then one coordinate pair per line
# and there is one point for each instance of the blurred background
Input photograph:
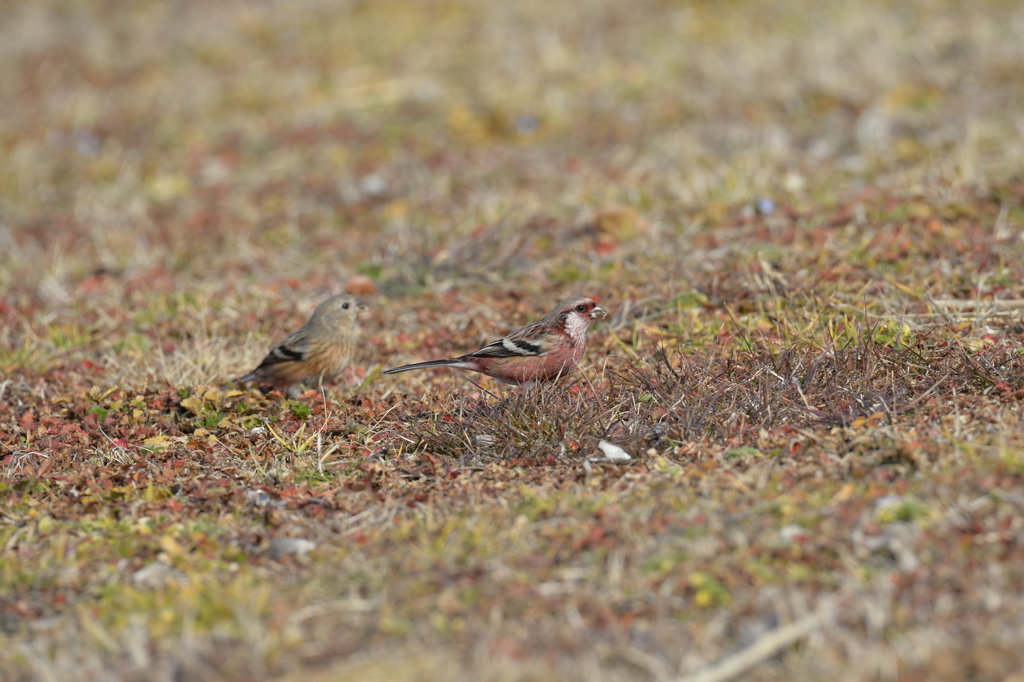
x,y
316,140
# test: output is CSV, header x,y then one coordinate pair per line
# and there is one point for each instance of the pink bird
x,y
542,351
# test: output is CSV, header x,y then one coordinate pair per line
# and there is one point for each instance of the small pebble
x,y
257,498
793,533
765,205
527,125
298,547
613,453
373,185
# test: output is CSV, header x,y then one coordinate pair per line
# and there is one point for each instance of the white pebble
x,y
613,452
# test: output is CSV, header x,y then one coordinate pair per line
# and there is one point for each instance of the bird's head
x,y
577,314
339,312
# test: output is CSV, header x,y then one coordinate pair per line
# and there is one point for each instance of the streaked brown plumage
x,y
315,354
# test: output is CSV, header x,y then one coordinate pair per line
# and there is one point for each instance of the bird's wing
x,y
293,349
529,341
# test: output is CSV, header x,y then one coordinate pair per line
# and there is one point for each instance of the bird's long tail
x,y
450,362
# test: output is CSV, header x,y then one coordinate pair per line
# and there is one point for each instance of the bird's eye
x,y
581,308
345,306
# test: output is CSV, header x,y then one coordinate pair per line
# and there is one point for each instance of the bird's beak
x,y
598,313
361,306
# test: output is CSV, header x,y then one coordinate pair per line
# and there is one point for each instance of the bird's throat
x,y
576,327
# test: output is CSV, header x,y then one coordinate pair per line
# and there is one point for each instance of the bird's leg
x,y
530,388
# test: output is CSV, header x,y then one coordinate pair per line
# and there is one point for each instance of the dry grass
x,y
805,219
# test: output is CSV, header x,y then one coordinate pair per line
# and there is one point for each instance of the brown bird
x,y
318,352
542,351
